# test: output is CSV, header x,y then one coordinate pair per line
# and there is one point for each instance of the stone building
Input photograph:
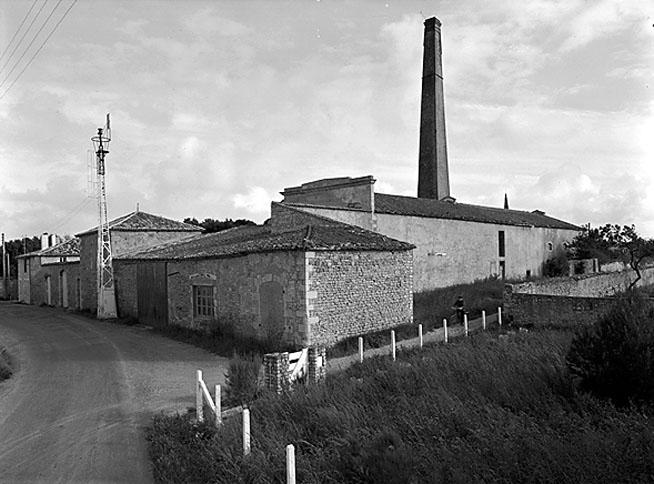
x,y
455,242
51,275
136,230
299,279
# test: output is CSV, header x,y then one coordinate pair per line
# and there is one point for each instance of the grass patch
x,y
430,308
5,364
220,341
480,409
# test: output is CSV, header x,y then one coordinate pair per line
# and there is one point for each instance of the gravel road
x,y
83,392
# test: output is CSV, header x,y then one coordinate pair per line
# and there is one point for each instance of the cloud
x,y
256,201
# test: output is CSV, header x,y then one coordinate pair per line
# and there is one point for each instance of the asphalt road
x,y
83,392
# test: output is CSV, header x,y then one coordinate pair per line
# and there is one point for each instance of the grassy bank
x,y
478,410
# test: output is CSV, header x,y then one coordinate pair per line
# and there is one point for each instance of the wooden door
x,y
152,293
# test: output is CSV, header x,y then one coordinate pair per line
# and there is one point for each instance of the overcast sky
x,y
217,106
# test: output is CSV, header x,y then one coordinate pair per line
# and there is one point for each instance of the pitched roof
x,y
262,238
67,248
425,207
146,222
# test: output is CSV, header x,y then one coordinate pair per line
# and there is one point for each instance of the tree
x,y
610,243
213,225
633,247
18,247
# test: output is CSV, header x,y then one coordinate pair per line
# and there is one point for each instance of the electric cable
x,y
18,29
39,49
24,34
31,42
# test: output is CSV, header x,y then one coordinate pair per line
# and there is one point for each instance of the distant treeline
x,y
211,225
17,247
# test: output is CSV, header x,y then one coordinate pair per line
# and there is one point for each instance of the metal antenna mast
x,y
105,271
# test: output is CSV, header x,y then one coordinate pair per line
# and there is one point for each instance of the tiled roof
x,y
424,207
261,238
146,222
67,248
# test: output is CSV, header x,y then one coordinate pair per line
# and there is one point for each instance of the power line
x,y
31,42
19,27
40,47
24,34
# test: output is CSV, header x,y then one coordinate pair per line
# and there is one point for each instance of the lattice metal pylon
x,y
105,271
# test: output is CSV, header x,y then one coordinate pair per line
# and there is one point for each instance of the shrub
x,y
242,378
556,266
614,358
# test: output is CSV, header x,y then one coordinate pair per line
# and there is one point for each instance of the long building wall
x,y
452,252
50,284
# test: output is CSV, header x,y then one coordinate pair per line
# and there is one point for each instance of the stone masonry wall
x,y
586,285
545,310
237,282
38,291
567,301
353,293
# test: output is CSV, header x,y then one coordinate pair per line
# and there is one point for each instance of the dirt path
x,y
82,393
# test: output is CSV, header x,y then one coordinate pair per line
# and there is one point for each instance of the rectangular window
x,y
203,305
500,242
25,265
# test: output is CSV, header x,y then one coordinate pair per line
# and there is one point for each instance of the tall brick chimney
x,y
433,174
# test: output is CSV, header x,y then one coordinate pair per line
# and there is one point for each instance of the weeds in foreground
x,y
5,364
477,410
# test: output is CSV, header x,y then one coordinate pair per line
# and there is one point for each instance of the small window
x,y
500,243
550,246
25,264
203,301
528,273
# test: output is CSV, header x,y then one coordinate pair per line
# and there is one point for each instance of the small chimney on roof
x,y
45,241
506,202
433,172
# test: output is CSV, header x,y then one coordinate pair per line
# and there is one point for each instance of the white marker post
x,y
198,396
246,431
393,343
465,324
445,330
219,415
420,334
499,316
483,320
360,349
290,464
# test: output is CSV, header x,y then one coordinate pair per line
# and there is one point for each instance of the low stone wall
x,y
558,311
587,285
568,301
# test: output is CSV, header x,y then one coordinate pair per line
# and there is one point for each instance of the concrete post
x,y
317,364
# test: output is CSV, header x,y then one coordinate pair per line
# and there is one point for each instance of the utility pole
x,y
4,268
105,271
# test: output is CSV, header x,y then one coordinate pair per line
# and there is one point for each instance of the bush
x,y
242,378
556,266
614,358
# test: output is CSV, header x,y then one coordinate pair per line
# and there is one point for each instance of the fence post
x,y
219,415
393,343
246,431
420,334
317,363
198,397
445,330
465,324
499,316
483,320
290,464
360,349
